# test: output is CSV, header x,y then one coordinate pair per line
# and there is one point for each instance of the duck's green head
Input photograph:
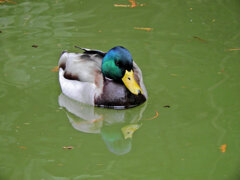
x,y
117,64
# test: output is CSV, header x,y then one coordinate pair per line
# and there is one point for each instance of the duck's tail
x,y
91,51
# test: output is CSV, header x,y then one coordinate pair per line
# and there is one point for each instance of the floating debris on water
x,y
6,1
60,164
133,4
67,147
200,39
232,50
55,69
22,147
223,148
157,114
99,119
121,5
35,46
144,28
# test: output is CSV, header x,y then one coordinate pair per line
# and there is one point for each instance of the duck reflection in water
x,y
115,126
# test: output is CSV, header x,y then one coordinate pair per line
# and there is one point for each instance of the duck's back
x,y
82,67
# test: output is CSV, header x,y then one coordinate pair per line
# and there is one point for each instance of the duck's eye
x,y
129,78
117,63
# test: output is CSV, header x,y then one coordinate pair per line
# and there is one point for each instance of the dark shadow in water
x,y
115,126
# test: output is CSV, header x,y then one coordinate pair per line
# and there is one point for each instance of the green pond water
x,y
190,61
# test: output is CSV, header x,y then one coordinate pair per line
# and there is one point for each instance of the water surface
x,y
189,69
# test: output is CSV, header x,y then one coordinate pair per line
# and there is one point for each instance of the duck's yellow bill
x,y
130,83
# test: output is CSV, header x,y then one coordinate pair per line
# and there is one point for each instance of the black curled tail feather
x,y
91,51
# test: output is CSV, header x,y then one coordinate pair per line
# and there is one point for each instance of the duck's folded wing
x,y
82,67
80,91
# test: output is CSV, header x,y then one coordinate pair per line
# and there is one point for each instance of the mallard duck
x,y
111,80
